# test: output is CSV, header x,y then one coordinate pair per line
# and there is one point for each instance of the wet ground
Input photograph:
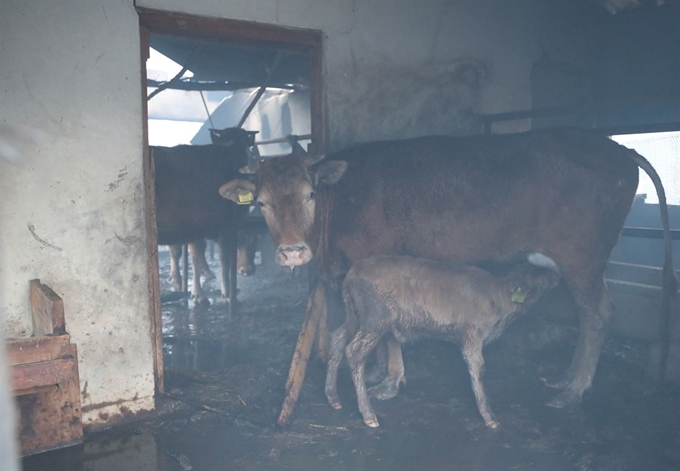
x,y
225,380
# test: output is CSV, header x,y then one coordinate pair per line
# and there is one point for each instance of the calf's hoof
x,y
492,424
334,400
372,422
558,382
385,390
566,398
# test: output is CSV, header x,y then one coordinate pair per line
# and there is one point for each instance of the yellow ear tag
x,y
518,295
245,197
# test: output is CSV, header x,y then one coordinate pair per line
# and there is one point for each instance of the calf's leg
x,y
472,353
376,371
358,349
337,349
389,387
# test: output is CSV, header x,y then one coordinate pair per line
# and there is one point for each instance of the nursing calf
x,y
406,297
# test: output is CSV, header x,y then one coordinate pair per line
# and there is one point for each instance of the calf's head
x,y
530,282
285,190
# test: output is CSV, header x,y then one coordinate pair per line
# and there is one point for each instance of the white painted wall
x,y
392,69
73,70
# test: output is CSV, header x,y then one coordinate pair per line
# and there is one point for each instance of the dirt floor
x,y
225,380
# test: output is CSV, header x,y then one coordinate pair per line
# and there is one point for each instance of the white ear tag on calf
x,y
245,197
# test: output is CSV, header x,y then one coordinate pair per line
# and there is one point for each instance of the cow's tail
x,y
669,302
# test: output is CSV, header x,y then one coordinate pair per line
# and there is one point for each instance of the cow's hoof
x,y
226,296
566,398
201,300
558,382
385,390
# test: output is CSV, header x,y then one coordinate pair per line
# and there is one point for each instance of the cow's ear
x,y
238,191
309,160
331,171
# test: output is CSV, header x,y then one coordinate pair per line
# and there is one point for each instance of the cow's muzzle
x,y
293,255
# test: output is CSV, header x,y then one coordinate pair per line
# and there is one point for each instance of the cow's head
x,y
285,191
228,137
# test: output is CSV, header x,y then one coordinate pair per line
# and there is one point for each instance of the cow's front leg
x,y
203,268
227,245
175,276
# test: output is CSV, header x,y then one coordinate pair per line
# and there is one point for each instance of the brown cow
x,y
409,297
562,192
188,205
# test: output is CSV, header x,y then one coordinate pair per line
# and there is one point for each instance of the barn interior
x,y
128,376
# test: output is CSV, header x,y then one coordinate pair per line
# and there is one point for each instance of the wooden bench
x,y
44,377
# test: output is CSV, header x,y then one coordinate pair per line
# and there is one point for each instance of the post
x,y
303,349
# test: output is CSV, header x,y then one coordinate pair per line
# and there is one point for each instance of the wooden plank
x,y
47,309
236,30
44,373
52,418
36,390
36,349
298,366
156,324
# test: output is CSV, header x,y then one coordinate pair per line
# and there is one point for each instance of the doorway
x,y
227,74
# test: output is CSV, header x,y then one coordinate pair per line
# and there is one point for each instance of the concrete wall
x,y
73,215
405,68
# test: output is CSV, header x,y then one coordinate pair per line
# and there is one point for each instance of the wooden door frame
x,y
180,24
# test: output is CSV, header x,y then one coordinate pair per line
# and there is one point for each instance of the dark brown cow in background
x,y
188,205
561,192
246,247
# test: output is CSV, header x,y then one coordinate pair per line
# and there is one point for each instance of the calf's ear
x,y
330,171
238,191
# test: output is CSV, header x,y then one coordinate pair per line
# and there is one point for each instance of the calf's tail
x,y
669,300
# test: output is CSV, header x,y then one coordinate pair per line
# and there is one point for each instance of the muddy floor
x,y
225,378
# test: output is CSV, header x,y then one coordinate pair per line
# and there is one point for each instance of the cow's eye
x,y
312,195
260,204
